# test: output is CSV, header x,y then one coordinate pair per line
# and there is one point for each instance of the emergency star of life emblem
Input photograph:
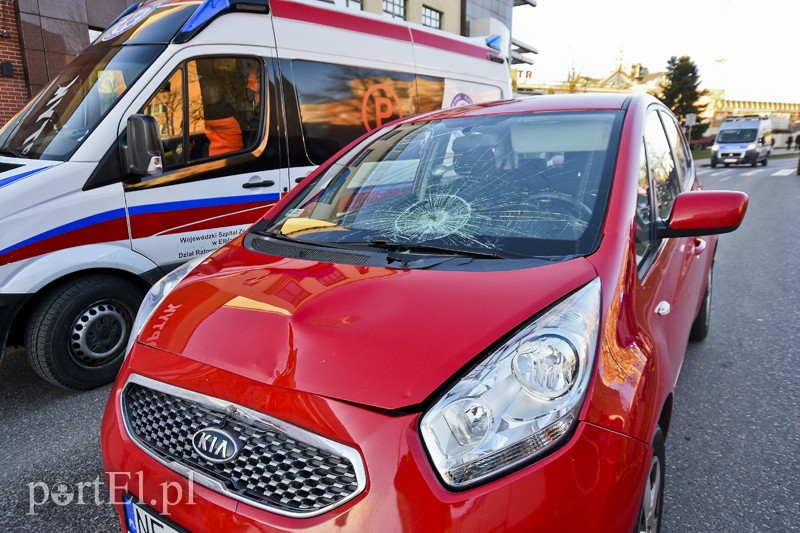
x,y
379,104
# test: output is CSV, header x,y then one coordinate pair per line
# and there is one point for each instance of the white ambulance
x,y
172,132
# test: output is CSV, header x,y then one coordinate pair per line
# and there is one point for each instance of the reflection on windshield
x,y
67,110
514,186
737,136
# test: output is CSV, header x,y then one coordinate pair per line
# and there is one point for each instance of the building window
x,y
395,8
355,5
431,17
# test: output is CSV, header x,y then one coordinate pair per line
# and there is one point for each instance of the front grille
x,y
275,470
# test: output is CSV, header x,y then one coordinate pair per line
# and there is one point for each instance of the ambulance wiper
x,y
13,152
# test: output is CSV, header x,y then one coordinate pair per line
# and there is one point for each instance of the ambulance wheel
x,y
77,332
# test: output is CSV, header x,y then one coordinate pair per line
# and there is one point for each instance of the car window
x,y
209,108
643,219
678,144
662,167
167,108
519,186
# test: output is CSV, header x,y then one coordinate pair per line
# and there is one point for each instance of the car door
x,y
697,252
221,171
659,305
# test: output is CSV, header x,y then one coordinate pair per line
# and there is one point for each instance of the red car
x,y
470,320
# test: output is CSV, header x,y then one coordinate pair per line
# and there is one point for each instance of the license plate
x,y
139,518
730,160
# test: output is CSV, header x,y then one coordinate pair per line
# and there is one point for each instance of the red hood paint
x,y
381,337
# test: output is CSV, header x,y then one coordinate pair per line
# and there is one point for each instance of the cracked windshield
x,y
519,186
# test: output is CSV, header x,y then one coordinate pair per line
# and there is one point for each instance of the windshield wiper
x,y
412,247
13,152
281,237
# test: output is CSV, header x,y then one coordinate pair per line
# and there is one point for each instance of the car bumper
x,y
737,157
592,483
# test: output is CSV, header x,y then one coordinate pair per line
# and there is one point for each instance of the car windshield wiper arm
x,y
285,238
434,248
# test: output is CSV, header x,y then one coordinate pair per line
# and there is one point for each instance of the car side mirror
x,y
703,213
144,154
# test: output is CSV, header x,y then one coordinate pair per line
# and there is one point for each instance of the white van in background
x,y
743,139
173,131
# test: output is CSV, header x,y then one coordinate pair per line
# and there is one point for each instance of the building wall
x,y
501,10
13,89
54,31
450,9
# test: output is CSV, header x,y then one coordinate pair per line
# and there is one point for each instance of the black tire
x,y
713,164
77,332
702,321
650,511
764,162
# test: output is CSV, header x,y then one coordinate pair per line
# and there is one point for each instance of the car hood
x,y
382,337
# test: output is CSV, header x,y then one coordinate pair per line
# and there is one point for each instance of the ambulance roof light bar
x,y
211,9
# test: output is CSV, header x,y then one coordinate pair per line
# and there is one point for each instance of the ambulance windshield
x,y
54,124
737,136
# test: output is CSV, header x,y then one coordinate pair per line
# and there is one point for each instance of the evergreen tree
x,y
680,92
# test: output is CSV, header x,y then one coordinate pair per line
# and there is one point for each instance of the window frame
x,y
429,13
263,98
398,9
658,244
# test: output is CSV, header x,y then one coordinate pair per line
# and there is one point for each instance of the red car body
x,y
359,360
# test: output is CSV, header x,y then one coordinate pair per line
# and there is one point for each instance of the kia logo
x,y
216,445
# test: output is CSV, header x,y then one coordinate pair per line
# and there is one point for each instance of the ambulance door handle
x,y
256,184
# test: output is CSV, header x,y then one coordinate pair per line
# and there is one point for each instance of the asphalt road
x,y
733,453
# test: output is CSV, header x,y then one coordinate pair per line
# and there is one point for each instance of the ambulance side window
x,y
340,102
209,108
167,108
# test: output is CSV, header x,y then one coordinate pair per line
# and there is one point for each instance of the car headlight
x,y
521,400
156,295
751,146
714,147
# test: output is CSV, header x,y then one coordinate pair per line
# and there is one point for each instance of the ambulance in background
x,y
171,133
743,140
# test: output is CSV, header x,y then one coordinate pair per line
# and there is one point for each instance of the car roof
x,y
533,104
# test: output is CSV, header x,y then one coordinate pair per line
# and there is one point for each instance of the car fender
x,y
31,275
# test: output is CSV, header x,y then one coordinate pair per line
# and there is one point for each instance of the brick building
x,y
14,91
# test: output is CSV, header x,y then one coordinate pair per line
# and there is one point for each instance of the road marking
x,y
726,178
717,173
783,172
